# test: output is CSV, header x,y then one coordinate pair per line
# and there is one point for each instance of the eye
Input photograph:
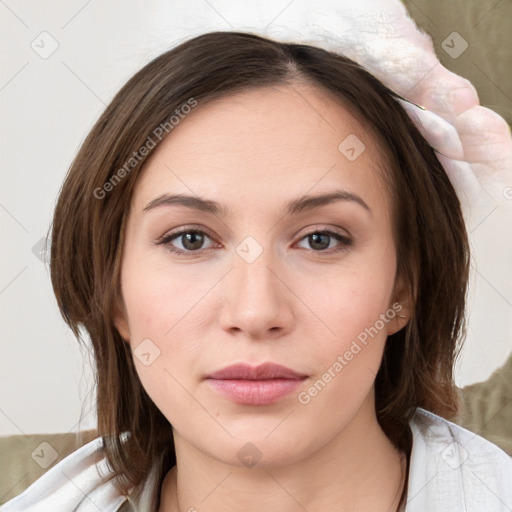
x,y
321,239
192,241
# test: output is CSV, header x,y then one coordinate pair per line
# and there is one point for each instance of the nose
x,y
258,302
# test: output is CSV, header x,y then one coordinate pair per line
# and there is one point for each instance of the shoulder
x,y
455,469
79,482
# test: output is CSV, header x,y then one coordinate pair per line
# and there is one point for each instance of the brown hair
x,y
88,231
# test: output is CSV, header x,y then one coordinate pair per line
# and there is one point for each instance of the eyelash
x,y
167,239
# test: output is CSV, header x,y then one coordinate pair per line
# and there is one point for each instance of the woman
x,y
271,264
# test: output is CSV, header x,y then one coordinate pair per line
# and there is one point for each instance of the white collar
x,y
454,469
451,469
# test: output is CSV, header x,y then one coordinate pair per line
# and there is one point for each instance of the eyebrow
x,y
294,207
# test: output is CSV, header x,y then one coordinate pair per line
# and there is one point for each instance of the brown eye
x,y
320,240
191,240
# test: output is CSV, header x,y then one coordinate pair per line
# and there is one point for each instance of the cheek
x,y
162,320
165,313
348,358
355,306
155,300
354,301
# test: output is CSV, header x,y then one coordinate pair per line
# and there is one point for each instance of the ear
x,y
120,320
401,304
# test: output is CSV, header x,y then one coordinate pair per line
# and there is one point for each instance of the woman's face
x,y
262,284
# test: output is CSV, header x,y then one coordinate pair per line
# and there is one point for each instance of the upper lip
x,y
265,371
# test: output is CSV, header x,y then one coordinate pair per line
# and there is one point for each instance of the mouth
x,y
255,385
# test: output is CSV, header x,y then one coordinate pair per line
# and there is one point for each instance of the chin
x,y
262,445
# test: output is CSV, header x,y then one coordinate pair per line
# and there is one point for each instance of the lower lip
x,y
255,392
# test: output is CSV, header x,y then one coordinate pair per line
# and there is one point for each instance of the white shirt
x,y
451,470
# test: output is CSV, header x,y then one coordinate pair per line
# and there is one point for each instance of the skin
x,y
296,304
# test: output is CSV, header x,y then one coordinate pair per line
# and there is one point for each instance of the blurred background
x,y
62,62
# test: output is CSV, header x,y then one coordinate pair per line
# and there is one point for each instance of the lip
x,y
264,384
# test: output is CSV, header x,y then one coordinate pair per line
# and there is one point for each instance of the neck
x,y
359,469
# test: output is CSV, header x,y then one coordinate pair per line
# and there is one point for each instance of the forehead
x,y
285,140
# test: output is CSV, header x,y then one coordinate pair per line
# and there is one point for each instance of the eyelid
x,y
321,228
186,228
